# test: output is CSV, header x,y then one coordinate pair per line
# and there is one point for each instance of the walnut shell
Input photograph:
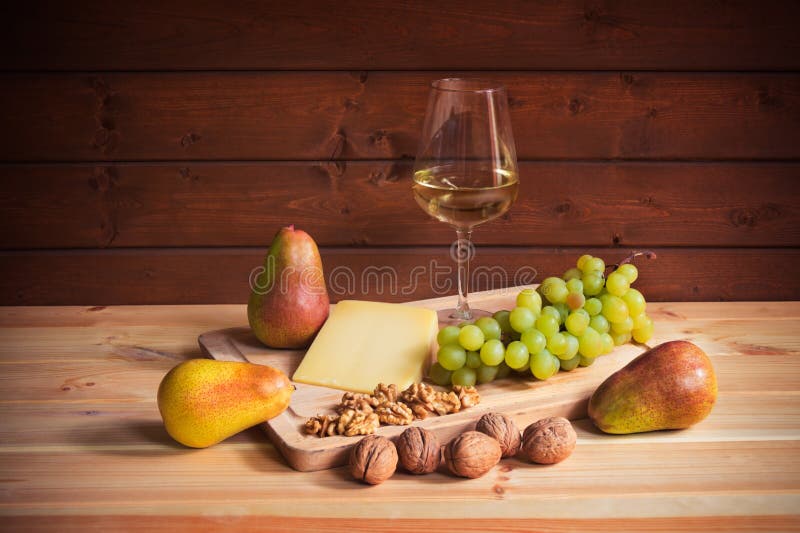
x,y
472,454
419,451
549,441
373,460
502,429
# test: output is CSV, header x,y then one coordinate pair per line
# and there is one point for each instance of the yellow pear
x,y
203,401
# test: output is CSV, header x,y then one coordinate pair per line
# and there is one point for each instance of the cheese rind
x,y
363,344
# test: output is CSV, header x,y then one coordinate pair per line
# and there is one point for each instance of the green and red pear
x,y
671,386
289,300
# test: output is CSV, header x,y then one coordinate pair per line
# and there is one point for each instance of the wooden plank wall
x,y
150,150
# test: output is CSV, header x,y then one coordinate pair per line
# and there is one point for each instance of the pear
x,y
672,386
203,401
289,301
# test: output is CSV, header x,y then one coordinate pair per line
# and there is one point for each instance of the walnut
x,y
419,450
362,414
549,441
424,401
349,423
373,460
472,454
385,393
397,414
468,396
357,401
352,422
322,425
503,429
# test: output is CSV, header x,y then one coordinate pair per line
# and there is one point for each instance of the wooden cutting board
x,y
519,396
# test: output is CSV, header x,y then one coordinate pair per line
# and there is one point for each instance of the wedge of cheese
x,y
363,344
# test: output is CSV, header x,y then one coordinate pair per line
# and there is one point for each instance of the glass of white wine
x,y
466,172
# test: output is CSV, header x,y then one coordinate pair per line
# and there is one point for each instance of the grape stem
x,y
647,254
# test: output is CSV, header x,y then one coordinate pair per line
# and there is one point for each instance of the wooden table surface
x,y
82,445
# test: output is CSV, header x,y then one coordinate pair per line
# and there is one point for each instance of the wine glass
x,y
465,172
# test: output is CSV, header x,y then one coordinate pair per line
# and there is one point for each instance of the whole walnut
x,y
549,441
373,460
502,429
472,454
419,450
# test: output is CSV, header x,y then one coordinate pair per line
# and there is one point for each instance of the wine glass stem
x,y
463,253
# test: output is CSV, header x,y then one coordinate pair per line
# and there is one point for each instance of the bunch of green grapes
x,y
567,322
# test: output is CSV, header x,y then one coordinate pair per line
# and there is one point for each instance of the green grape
x,y
626,326
584,313
614,308
600,324
645,332
577,323
451,356
617,284
640,321
572,345
621,338
517,355
531,299
534,340
582,260
490,327
486,373
595,264
471,337
557,344
524,368
440,375
586,361
593,306
575,300
502,319
575,285
572,273
547,325
553,312
464,376
473,359
521,318
542,366
629,271
493,352
592,283
448,335
608,343
554,289
563,311
635,301
503,370
590,344
570,364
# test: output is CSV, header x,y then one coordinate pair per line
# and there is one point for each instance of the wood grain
x,y
509,34
220,275
70,465
340,115
369,203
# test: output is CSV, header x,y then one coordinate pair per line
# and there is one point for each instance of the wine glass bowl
x,y
465,172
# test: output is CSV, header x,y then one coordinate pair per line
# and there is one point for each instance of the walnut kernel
x,y
373,460
472,454
503,429
419,450
549,441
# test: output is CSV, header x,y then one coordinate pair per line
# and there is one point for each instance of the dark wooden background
x,y
150,150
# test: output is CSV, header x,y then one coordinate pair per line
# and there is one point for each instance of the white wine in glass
x,y
465,172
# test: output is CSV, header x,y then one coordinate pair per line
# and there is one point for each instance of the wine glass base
x,y
454,317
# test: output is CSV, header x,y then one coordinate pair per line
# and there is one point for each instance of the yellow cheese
x,y
366,343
